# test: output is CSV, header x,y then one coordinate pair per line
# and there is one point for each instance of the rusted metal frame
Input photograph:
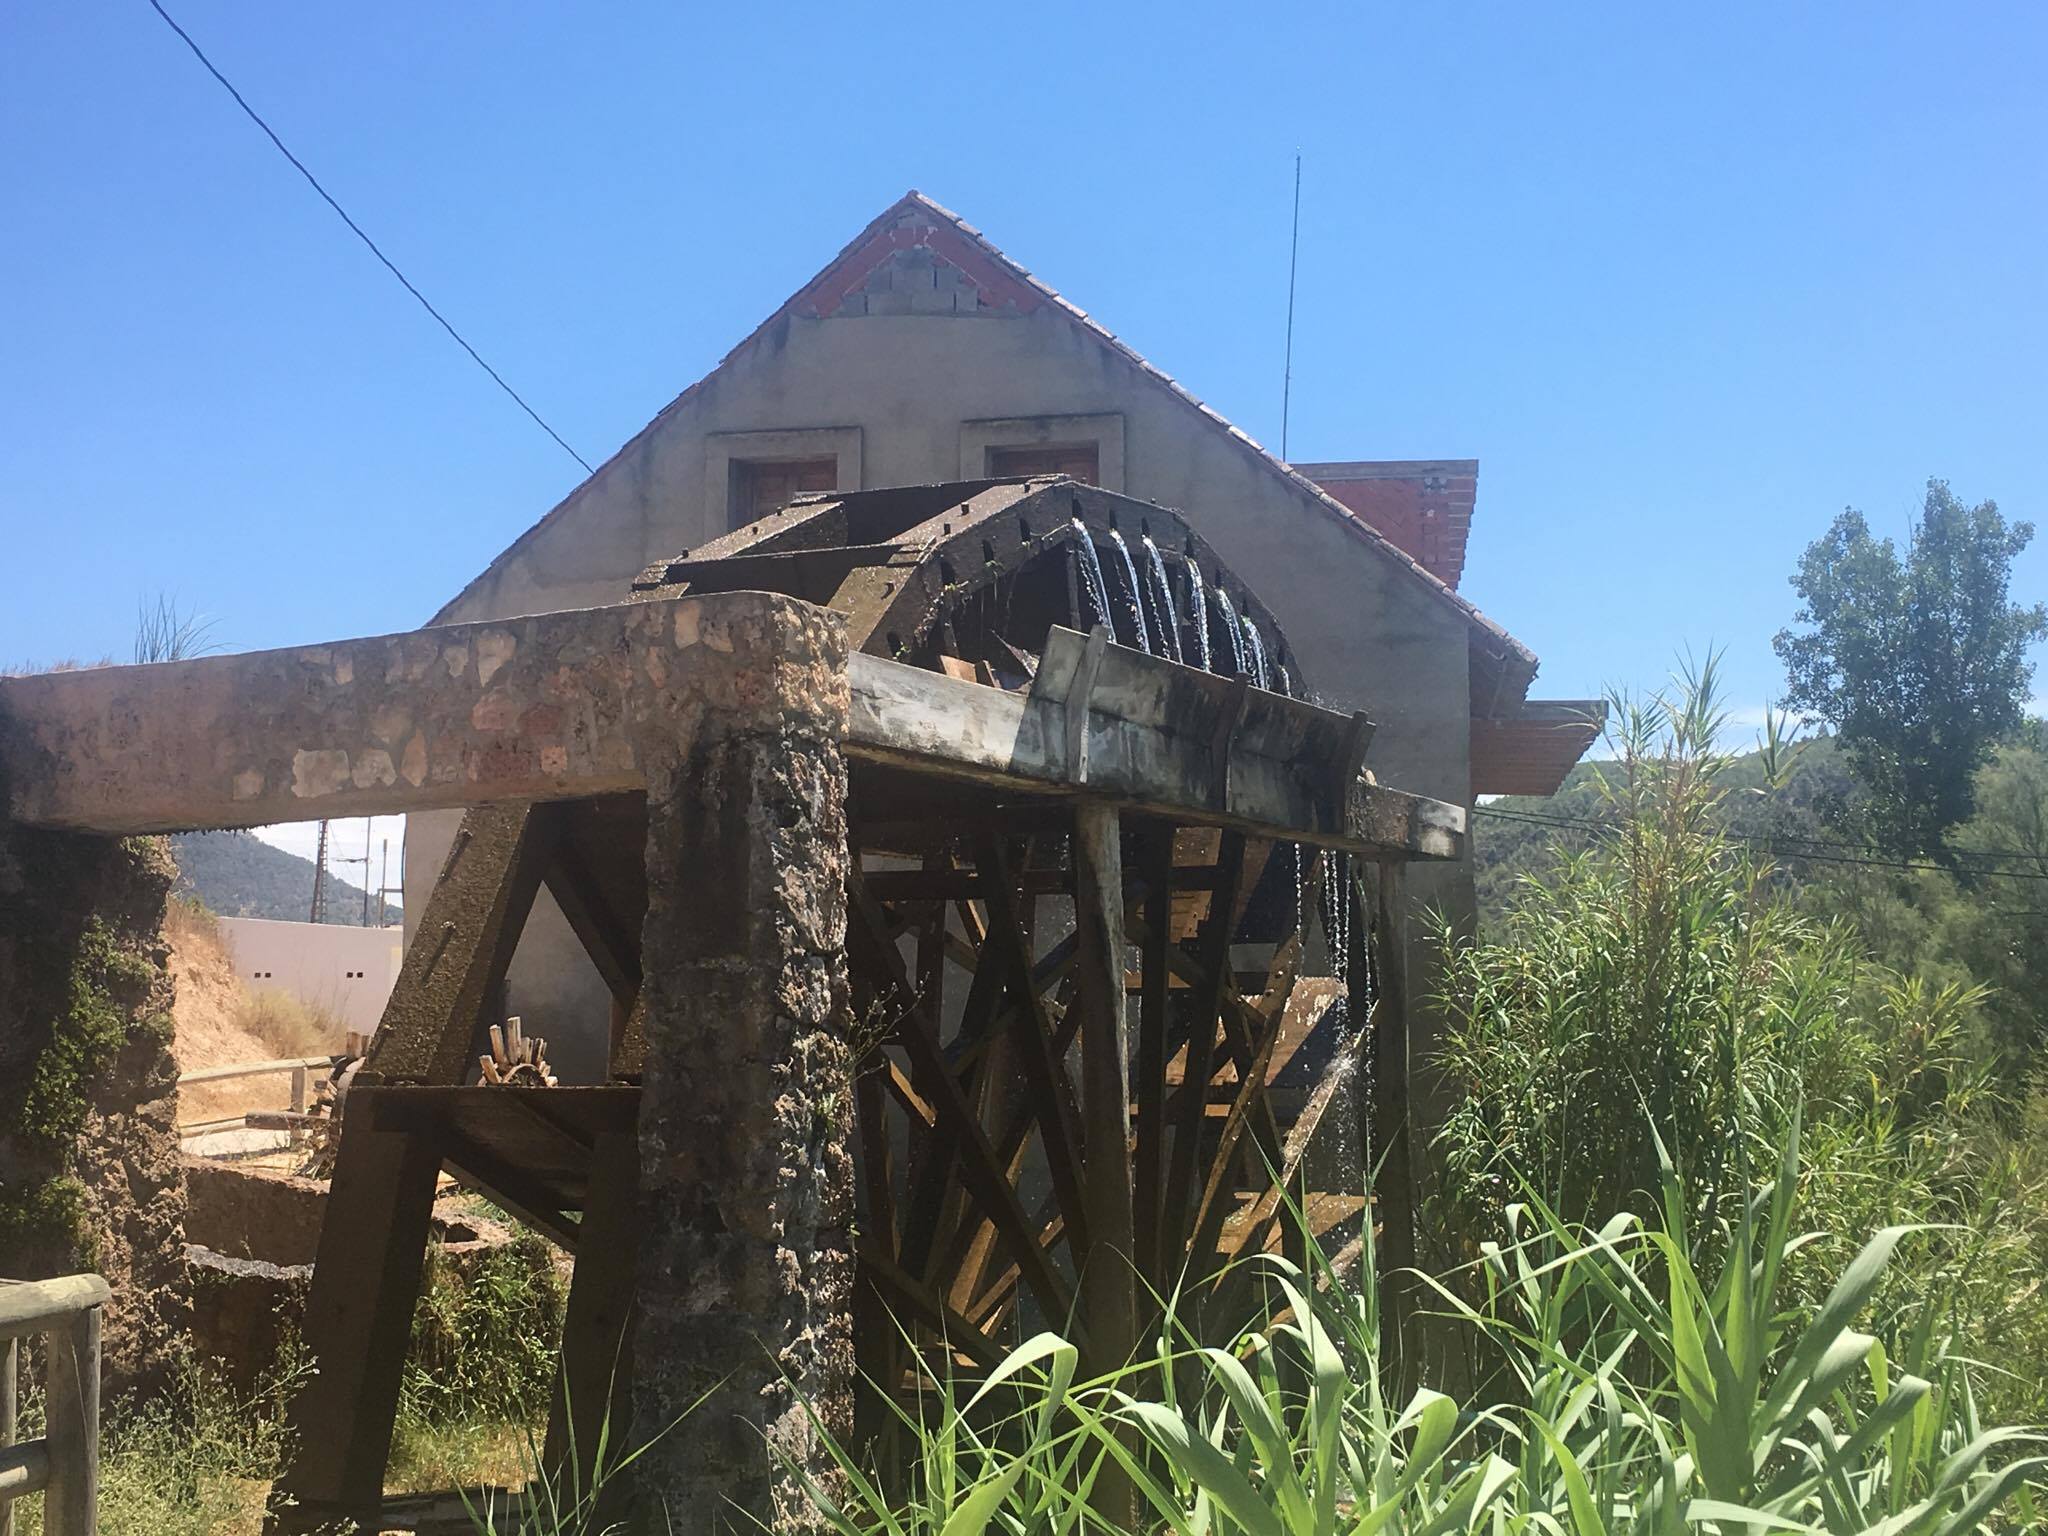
x,y
1148,1191
926,1306
1205,1001
1044,1071
954,1120
463,947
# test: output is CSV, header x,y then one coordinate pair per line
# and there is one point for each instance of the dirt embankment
x,y
221,1023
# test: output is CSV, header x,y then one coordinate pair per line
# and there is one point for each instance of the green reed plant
x,y
1655,1383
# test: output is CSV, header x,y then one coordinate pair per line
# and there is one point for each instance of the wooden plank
x,y
463,946
31,1306
1148,1191
594,1389
71,1498
10,1355
24,1468
366,1282
1203,1010
940,726
1109,1278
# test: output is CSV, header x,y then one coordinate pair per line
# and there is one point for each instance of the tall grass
x,y
1662,1385
1657,1001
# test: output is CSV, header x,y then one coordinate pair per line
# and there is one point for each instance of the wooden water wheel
x,y
1090,1065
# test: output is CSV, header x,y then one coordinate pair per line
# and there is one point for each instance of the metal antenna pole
x,y
1293,252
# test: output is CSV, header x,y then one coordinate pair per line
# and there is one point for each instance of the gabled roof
x,y
1502,667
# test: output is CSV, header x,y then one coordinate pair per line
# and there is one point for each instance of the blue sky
x,y
1685,284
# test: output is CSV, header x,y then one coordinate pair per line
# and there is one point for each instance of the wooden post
x,y
299,1089
71,1502
1109,1283
366,1282
1148,1178
595,1384
1394,1181
8,1359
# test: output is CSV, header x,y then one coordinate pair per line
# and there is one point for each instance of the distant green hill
x,y
239,875
1506,848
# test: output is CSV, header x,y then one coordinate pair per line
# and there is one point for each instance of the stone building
x,y
922,354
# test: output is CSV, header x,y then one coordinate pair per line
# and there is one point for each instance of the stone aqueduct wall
x,y
89,1168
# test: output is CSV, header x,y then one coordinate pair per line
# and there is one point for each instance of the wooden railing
x,y
64,1465
298,1066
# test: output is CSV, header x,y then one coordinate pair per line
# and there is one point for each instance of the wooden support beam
x,y
1148,1185
612,942
876,1342
512,1190
463,946
912,1295
1109,1279
594,1388
1203,1010
1389,1148
366,1281
954,1117
1045,1073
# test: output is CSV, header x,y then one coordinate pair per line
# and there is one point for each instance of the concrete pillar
x,y
746,1261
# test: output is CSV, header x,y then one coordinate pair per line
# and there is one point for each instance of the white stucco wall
x,y
1368,634
348,972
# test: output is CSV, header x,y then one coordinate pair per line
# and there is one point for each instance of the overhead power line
x,y
357,229
1770,844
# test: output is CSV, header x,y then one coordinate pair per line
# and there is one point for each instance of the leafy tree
x,y
1919,662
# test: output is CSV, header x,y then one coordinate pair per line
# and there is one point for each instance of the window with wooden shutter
x,y
762,486
1078,461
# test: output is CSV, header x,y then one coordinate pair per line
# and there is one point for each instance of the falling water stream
x,y
1232,630
1198,613
1094,587
1159,594
1255,653
1141,632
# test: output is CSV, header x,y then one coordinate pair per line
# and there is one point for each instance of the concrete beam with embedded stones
x,y
539,708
